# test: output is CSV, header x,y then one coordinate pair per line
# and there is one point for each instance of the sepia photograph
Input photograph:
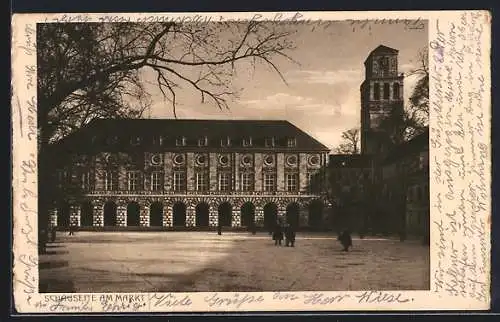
x,y
251,162
243,156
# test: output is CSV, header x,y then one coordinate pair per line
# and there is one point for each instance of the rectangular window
x,y
179,181
203,141
110,181
247,142
247,179
156,180
291,182
395,90
180,141
291,142
201,181
224,181
269,182
85,180
62,178
313,181
269,142
386,91
132,180
376,91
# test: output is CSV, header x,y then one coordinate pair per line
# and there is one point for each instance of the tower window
x,y
376,91
386,91
395,90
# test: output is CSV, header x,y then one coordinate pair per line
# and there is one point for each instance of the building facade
x,y
404,191
188,174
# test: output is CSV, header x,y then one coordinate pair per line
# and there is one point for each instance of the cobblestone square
x,y
204,261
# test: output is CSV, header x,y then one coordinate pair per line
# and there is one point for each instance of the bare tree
x,y
418,107
404,122
89,71
350,144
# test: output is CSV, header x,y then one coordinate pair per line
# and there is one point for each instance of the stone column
x,y
303,172
121,214
280,172
371,92
212,177
213,216
165,221
258,171
236,167
190,179
74,215
235,218
168,215
98,218
259,216
168,172
144,213
190,215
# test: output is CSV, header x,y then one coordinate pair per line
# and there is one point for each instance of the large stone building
x,y
189,173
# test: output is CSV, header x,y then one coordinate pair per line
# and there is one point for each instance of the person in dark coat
x,y
277,234
290,235
219,230
346,240
71,229
253,228
53,233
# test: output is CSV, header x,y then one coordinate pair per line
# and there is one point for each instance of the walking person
x,y
277,234
346,240
53,232
219,229
290,235
71,230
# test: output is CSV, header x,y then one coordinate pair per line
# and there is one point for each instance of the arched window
x,y
376,91
386,91
395,90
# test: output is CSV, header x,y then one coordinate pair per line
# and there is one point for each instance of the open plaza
x,y
234,261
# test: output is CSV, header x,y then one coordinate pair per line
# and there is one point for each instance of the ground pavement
x,y
204,261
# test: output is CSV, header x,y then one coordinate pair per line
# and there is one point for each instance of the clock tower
x,y
381,92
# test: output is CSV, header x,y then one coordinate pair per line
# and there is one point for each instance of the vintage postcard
x,y
277,161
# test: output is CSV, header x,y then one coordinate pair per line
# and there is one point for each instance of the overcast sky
x,y
322,96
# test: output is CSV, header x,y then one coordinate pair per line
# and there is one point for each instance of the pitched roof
x,y
193,129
